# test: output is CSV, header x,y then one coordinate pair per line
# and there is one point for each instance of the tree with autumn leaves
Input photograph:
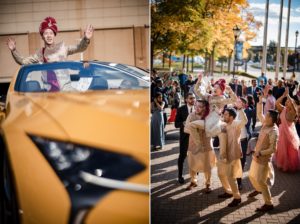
x,y
200,27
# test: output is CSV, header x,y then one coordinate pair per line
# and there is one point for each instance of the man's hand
x,y
227,88
239,104
256,154
11,43
88,33
200,77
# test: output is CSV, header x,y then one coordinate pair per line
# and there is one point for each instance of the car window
x,y
118,79
76,77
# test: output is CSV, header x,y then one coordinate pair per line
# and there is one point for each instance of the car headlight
x,y
87,173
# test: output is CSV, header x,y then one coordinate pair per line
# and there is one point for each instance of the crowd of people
x,y
214,111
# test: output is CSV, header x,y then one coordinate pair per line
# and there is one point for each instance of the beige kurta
x,y
267,139
234,149
261,169
201,157
233,166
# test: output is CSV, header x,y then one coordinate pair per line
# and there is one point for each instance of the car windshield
x,y
78,77
131,69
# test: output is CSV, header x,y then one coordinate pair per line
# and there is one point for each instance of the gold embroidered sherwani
x,y
57,52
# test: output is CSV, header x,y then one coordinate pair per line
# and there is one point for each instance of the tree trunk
x,y
229,64
152,56
187,63
192,63
222,67
170,60
163,60
183,63
213,62
209,64
205,63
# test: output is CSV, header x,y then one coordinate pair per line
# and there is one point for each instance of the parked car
x,y
75,144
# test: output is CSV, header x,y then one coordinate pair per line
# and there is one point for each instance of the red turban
x,y
48,23
221,83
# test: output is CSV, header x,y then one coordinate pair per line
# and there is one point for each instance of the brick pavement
x,y
170,203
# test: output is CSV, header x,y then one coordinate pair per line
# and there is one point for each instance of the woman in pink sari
x,y
287,156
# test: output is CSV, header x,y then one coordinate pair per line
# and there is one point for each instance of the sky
x,y
257,8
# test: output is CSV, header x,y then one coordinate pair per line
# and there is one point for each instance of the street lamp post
x,y
296,54
236,32
297,33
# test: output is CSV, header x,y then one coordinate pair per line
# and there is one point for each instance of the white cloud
x,y
274,9
258,10
271,20
258,5
295,19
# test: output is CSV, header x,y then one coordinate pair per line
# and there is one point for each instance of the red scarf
x,y
51,77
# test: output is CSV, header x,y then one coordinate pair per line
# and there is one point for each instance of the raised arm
x,y
242,116
278,104
198,88
11,43
232,97
84,43
259,109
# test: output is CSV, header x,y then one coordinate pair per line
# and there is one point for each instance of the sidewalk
x,y
170,203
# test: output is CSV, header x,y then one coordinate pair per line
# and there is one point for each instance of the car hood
x,y
112,119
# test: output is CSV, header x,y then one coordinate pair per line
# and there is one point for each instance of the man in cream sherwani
x,y
261,168
232,165
201,157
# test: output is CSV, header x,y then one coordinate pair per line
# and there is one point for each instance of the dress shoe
x,y
265,208
225,195
181,180
191,186
157,148
235,202
207,190
253,194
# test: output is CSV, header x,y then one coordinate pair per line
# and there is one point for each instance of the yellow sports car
x,y
75,144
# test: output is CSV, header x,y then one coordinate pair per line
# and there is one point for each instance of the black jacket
x,y
181,116
239,89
